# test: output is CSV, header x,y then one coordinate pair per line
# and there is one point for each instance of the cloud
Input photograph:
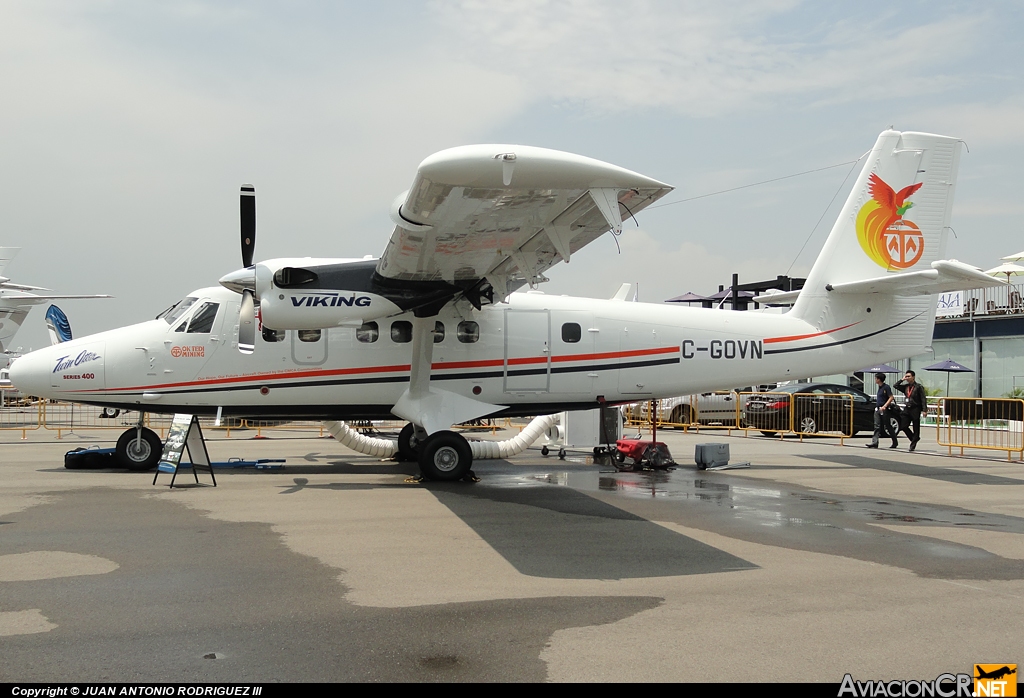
x,y
980,124
704,59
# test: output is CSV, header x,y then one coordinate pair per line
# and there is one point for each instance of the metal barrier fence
x,y
18,413
30,414
771,413
697,412
987,423
822,415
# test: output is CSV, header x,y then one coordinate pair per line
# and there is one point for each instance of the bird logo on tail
x,y
888,239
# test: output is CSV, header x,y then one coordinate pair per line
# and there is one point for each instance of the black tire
x,y
620,457
561,454
681,414
139,456
408,444
769,433
544,450
445,456
894,426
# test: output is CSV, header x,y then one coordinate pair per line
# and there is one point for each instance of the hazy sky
x,y
128,127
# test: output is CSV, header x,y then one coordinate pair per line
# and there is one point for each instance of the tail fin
x,y
58,325
891,230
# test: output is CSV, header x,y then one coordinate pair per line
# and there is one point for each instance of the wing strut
x,y
427,406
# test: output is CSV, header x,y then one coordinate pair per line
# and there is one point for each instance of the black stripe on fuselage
x,y
405,378
842,341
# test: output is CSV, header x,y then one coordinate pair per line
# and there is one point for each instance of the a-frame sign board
x,y
185,433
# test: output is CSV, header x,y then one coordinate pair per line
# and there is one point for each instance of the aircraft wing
x,y
498,216
32,299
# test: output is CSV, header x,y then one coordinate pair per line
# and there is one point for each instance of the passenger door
x,y
527,350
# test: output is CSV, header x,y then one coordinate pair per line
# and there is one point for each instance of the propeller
x,y
247,311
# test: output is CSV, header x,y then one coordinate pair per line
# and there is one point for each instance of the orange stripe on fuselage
x,y
795,337
400,368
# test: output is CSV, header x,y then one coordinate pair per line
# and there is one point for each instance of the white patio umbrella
x,y
1008,268
1015,257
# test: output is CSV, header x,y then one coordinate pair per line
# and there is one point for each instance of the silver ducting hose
x,y
349,437
482,450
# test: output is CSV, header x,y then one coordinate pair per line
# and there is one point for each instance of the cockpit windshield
x,y
176,310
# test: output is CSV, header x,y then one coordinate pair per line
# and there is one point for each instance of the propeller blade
x,y
247,209
247,323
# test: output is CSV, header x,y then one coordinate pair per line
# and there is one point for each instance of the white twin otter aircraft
x,y
433,332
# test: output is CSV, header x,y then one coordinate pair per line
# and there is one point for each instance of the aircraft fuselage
x,y
535,353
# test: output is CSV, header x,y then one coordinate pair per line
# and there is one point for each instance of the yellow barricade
x,y
769,413
989,423
819,414
67,416
18,413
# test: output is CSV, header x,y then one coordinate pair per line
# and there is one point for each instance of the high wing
x,y
491,218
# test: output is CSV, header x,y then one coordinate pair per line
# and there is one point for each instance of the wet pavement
x,y
814,562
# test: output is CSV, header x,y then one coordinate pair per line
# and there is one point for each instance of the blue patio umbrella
x,y
879,368
949,366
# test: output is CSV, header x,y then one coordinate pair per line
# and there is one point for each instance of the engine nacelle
x,y
292,309
313,294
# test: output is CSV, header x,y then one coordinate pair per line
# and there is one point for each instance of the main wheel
x,y
136,454
408,445
769,433
445,456
808,425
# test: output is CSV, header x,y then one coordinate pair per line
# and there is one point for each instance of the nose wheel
x,y
135,453
445,456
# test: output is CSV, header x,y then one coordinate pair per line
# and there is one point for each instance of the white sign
x,y
950,304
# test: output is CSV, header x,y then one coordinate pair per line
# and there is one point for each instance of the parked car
x,y
814,412
714,408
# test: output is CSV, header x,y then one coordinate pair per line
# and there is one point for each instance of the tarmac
x,y
818,560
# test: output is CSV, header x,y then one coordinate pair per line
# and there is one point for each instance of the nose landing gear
x,y
139,449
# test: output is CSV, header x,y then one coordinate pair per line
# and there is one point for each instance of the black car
x,y
815,407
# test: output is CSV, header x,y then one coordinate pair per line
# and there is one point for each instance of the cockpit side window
x,y
202,320
177,310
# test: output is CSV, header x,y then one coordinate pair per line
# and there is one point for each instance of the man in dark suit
x,y
916,405
884,402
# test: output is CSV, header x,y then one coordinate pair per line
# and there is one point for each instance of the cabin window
x,y
309,335
202,321
182,326
270,335
571,333
367,332
401,332
468,332
438,332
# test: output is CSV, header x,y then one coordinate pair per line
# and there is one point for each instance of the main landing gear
x,y
444,455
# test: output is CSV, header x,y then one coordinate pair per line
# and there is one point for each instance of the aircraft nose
x,y
31,374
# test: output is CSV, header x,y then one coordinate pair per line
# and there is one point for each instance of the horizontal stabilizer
x,y
776,297
945,275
